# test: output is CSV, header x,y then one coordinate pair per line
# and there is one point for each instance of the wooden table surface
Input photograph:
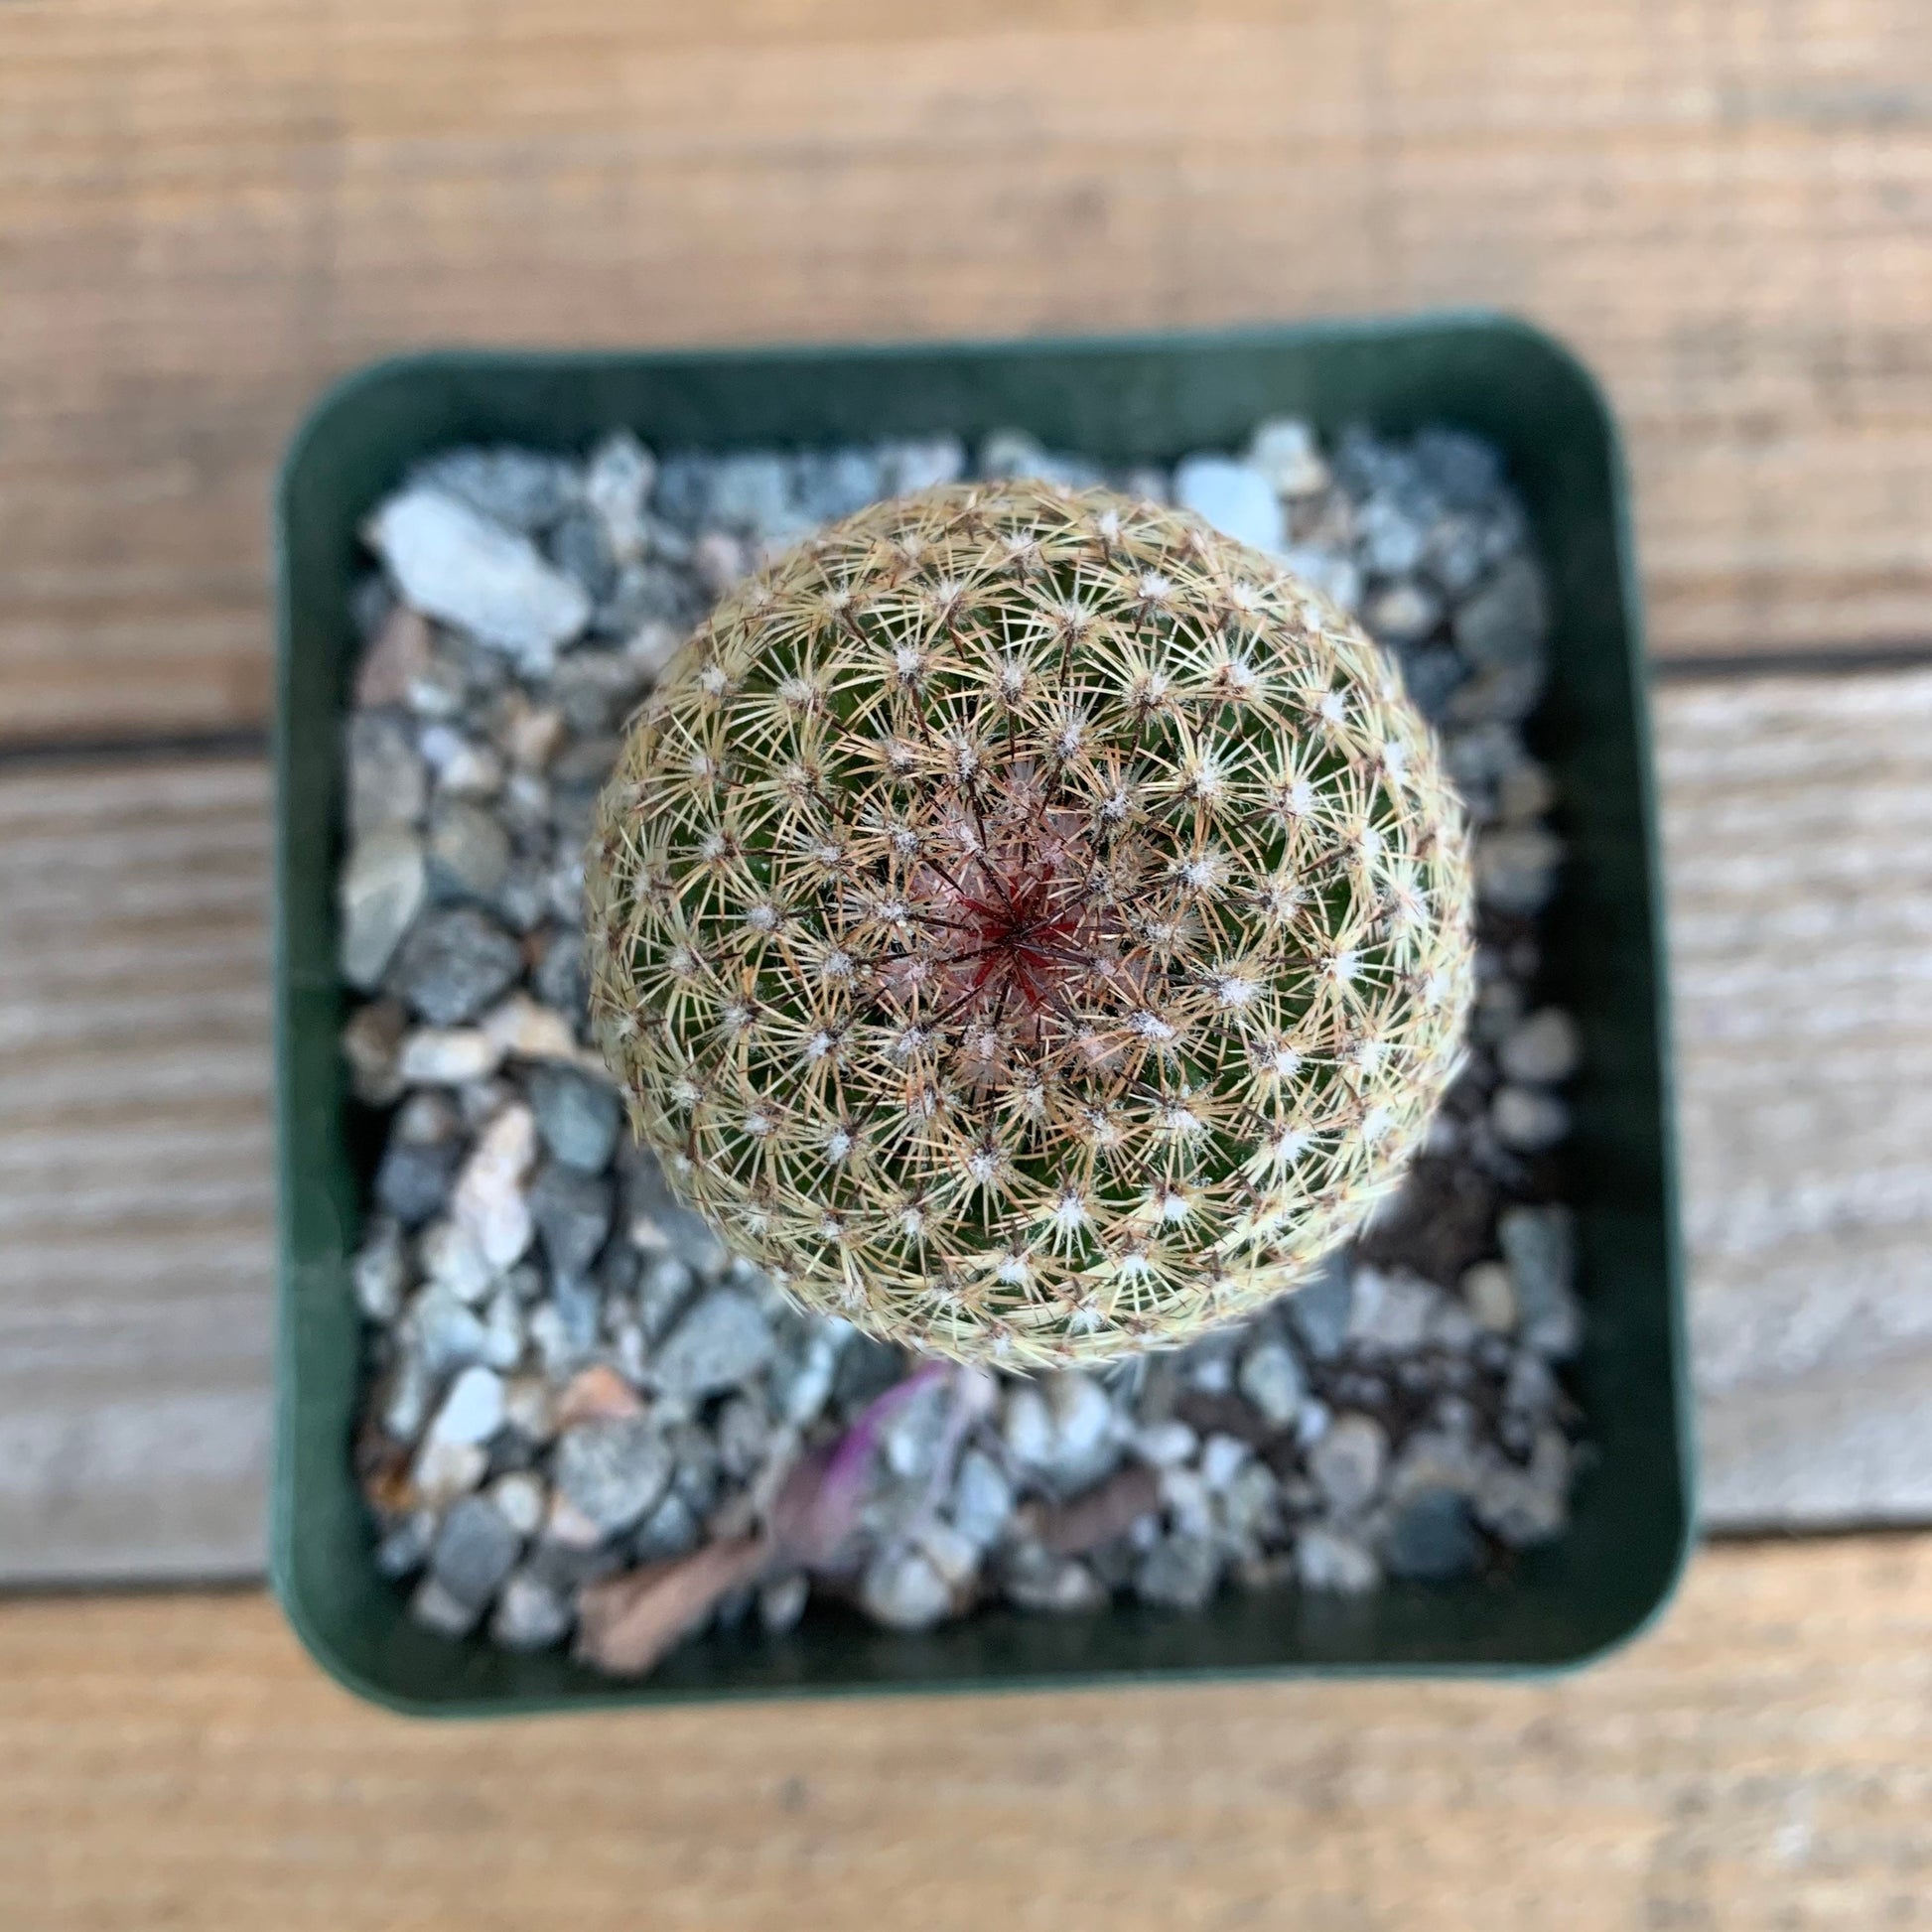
x,y
209,207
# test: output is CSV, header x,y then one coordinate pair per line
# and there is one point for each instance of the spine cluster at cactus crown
x,y
1031,924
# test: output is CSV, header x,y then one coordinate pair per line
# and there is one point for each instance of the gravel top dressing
x,y
587,1424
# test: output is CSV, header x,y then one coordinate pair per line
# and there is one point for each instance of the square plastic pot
x,y
1121,401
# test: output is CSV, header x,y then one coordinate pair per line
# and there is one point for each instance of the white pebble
x,y
1528,1119
904,1592
490,1201
1491,1295
472,1410
1220,1457
1542,1049
443,1472
522,1498
1234,496
1164,1444
449,1056
1326,1560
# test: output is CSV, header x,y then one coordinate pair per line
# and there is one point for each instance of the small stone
x,y
443,1472
598,1393
751,490
1347,1462
398,654
1164,1444
1285,451
1178,1574
1526,793
720,560
1401,613
452,1258
381,890
744,1437
1544,1049
1391,1309
782,1603
1270,1379
531,1614
573,1213
1528,1119
472,1410
387,782
669,1530
372,1041
1539,1245
1221,1456
454,963
723,1339
504,1331
460,568
1251,1503
1184,1496
380,1270
529,1407
577,1117
1432,1539
523,489
1014,452
919,463
413,1179
904,1592
490,1202
1502,624
476,1549
1235,497
468,851
464,768
611,1470
616,485
1036,1579
405,1549
1527,1506
1516,868
522,1500
1490,1297
1326,1560
831,483
1335,576
445,1332
982,1499
448,1056
953,1553
559,979
1320,1309
801,1380
402,1398
435,1609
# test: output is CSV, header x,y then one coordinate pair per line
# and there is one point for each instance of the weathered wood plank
x,y
207,211
135,1254
1798,814
134,1182
1758,1762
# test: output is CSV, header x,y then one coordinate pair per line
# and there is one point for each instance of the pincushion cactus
x,y
1029,923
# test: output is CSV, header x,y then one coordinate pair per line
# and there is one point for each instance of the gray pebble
x,y
1501,624
1527,1506
445,1333
387,785
1178,1574
982,1499
1347,1462
531,1614
1270,1379
669,1530
381,891
414,1178
522,489
1528,1119
613,1470
372,1044
920,463
1014,452
1391,1309
559,979
904,1592
751,490
1036,1579
1235,497
1328,1560
835,483
1320,1309
1430,1538
578,1116
475,1550
1283,450
405,1549
436,1608
1516,868
572,1213
782,1603
469,852
455,964
1543,1049
723,1339
1539,1245
380,1270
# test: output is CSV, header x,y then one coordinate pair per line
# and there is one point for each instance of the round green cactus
x,y
1030,925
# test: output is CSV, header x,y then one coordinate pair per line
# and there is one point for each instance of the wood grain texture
x,y
135,1254
1760,1762
208,209
1799,813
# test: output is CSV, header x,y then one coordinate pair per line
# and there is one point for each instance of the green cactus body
x,y
1030,925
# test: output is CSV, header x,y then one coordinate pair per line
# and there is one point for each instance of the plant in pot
x,y
1093,1196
